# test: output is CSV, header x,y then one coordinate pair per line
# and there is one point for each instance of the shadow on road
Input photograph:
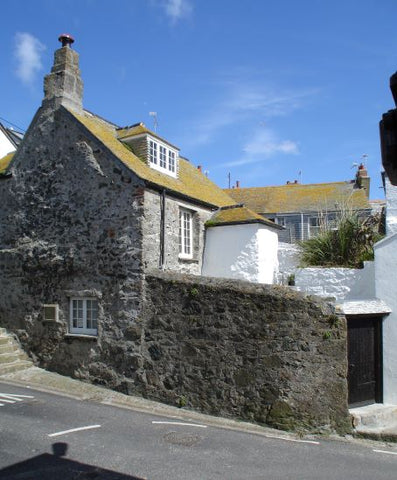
x,y
51,466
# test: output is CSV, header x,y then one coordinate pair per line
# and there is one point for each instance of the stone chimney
x,y
63,86
362,178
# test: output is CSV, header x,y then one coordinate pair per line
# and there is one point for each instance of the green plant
x,y
291,279
327,335
348,244
193,292
182,401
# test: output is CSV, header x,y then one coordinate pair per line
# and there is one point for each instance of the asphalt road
x,y
114,443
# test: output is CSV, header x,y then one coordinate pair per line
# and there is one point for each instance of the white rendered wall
x,y
288,261
391,207
343,284
245,252
5,145
386,290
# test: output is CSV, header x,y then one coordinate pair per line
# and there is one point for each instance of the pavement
x,y
377,422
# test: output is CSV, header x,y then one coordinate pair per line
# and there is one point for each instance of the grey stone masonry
x,y
262,353
64,86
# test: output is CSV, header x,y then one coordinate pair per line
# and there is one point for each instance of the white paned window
x,y
153,152
84,316
185,234
171,161
163,157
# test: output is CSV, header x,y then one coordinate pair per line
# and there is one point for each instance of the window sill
x,y
187,260
81,335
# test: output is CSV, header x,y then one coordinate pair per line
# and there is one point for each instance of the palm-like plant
x,y
348,244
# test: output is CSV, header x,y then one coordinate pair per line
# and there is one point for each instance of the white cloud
x,y
28,50
266,143
245,103
262,145
177,9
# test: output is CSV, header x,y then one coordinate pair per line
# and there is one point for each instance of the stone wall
x,y
151,233
70,223
262,353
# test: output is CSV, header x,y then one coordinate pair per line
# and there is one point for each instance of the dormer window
x,y
162,157
156,152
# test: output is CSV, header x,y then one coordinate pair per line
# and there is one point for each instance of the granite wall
x,y
261,353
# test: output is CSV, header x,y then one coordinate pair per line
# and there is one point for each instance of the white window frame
x,y
162,157
153,152
83,329
185,233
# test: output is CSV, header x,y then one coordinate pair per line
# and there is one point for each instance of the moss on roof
x,y
190,182
5,162
140,128
237,215
301,198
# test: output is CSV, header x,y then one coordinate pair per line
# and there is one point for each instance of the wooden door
x,y
364,359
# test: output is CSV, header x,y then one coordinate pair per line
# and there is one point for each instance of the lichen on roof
x,y
301,198
237,215
190,183
140,128
5,162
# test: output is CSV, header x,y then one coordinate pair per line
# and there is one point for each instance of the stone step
x,y
377,415
10,357
8,348
14,366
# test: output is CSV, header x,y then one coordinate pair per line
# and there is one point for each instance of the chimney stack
x,y
362,179
63,86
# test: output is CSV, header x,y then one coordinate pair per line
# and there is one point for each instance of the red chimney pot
x,y
66,39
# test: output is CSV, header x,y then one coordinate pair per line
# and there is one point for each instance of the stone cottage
x,y
99,226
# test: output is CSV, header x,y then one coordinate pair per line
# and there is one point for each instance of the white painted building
x,y
242,245
8,141
386,290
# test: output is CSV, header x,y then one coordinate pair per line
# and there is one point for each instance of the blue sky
x,y
263,89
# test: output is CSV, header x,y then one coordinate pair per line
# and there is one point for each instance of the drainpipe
x,y
162,230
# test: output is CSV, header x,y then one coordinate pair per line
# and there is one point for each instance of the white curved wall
x,y
245,252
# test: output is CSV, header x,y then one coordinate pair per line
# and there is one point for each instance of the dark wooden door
x,y
364,359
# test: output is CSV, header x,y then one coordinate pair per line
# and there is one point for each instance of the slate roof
x,y
238,215
293,197
191,183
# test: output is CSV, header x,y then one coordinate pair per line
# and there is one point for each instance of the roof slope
x,y
236,215
301,198
190,183
4,162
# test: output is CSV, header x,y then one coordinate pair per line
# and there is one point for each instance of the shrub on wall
x,y
348,244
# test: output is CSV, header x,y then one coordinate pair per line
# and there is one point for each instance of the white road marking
x,y
312,442
12,398
78,429
181,424
385,451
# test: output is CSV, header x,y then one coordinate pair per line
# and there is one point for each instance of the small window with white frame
x,y
153,152
84,316
163,157
185,233
171,161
